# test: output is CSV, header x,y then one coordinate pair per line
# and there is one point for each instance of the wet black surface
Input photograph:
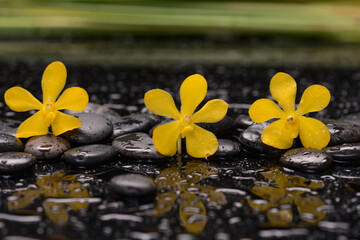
x,y
234,198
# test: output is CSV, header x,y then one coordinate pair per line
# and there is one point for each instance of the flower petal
x,y
161,103
313,133
315,98
263,110
212,111
165,138
74,98
283,90
192,93
201,143
20,100
277,135
64,123
33,126
53,81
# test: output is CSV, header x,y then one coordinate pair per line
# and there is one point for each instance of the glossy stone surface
x,y
133,185
345,153
141,122
9,143
227,148
221,128
15,161
98,109
89,155
243,121
136,145
95,128
250,140
306,159
47,147
9,126
342,132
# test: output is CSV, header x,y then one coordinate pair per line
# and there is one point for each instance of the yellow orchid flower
x,y
200,143
280,134
53,81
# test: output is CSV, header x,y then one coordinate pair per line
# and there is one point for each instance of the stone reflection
x,y
182,185
53,188
282,193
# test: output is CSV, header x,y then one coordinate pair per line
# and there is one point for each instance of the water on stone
x,y
235,195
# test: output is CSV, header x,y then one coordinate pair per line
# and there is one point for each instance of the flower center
x,y
49,113
290,119
185,125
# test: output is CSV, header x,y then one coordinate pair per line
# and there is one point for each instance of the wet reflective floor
x,y
242,197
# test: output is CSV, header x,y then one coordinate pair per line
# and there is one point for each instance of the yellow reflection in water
x,y
182,185
56,186
281,193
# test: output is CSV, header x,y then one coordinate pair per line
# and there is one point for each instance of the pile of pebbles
x,y
106,136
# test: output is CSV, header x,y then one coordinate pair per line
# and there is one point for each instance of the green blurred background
x,y
161,32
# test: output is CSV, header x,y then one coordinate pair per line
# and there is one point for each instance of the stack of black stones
x,y
106,136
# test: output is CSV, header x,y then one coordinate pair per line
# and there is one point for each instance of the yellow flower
x,y
53,81
280,134
200,143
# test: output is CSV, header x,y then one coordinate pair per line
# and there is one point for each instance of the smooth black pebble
x,y
221,128
141,122
9,126
9,143
342,132
243,121
345,153
137,145
98,109
47,146
16,161
227,148
133,185
250,140
95,128
89,155
306,159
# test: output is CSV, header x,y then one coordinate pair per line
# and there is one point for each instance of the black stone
x,y
137,145
243,121
94,128
345,153
221,128
9,143
89,155
142,122
250,140
306,159
9,126
15,161
133,185
98,109
342,132
47,146
227,148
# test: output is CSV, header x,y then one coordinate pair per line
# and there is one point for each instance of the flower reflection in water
x,y
53,188
183,185
281,193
